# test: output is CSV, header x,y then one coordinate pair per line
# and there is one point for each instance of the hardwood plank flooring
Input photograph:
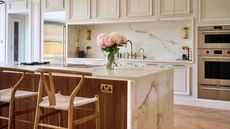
x,y
186,117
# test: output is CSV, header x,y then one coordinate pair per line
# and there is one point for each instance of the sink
x,y
84,65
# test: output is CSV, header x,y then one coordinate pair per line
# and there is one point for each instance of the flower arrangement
x,y
110,45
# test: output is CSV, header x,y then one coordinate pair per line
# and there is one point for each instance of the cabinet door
x,y
182,7
166,7
79,9
214,11
107,8
182,80
174,7
21,6
54,5
139,7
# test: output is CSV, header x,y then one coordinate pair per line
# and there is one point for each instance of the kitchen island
x,y
140,97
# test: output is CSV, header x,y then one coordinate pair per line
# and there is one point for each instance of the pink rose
x,y
118,38
100,39
123,39
108,41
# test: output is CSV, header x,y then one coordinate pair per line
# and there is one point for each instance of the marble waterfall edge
x,y
152,106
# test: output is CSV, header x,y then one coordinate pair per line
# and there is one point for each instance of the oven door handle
x,y
217,58
215,88
216,32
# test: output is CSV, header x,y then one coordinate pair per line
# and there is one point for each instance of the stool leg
x,y
60,119
37,117
11,114
70,118
97,109
38,109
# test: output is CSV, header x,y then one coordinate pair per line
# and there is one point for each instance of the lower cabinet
x,y
113,106
182,80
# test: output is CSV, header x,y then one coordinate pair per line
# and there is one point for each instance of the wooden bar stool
x,y
57,101
10,95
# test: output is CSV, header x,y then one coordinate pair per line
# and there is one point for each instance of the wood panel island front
x,y
139,97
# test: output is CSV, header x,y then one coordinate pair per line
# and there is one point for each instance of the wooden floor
x,y
200,118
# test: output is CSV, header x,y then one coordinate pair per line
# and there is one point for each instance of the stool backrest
x,y
49,85
16,70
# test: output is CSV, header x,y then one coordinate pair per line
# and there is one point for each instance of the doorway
x,y
17,37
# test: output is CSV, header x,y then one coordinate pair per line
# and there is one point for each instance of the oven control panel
x,y
216,52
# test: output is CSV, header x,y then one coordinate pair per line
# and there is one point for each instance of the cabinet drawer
x,y
18,6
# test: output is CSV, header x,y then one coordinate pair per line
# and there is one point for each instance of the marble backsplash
x,y
161,40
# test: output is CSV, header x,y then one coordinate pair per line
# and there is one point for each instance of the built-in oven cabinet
x,y
214,11
182,80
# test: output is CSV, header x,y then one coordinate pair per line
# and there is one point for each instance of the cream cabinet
x,y
19,6
213,11
107,8
54,5
79,9
174,7
182,79
137,8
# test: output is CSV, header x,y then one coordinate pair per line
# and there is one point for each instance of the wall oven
x,y
214,63
214,37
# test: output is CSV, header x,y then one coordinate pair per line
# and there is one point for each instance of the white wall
x,y
2,32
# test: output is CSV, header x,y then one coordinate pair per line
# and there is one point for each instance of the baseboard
x,y
202,103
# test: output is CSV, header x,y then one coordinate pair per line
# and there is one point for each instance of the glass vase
x,y
110,62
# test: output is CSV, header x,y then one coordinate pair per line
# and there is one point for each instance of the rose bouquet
x,y
110,45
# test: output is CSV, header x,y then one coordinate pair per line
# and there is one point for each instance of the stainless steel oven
x,y
214,69
214,37
214,74
214,63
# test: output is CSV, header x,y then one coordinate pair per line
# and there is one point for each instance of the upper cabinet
x,y
19,6
174,7
126,10
79,9
137,8
213,11
107,8
54,5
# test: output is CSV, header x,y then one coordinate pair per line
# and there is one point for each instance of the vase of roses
x,y
110,46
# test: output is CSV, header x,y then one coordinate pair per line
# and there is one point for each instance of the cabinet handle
x,y
215,88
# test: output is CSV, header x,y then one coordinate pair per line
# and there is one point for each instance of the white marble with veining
x,y
161,40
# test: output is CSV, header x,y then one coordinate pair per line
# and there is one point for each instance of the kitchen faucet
x,y
143,50
131,51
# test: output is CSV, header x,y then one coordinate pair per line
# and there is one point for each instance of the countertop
x,y
139,61
122,72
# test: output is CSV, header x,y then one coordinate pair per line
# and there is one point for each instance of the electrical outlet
x,y
88,47
106,88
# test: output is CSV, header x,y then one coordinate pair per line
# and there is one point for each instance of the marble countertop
x,y
99,61
122,72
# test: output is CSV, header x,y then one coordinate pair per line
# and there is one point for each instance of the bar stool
x,y
9,96
57,101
